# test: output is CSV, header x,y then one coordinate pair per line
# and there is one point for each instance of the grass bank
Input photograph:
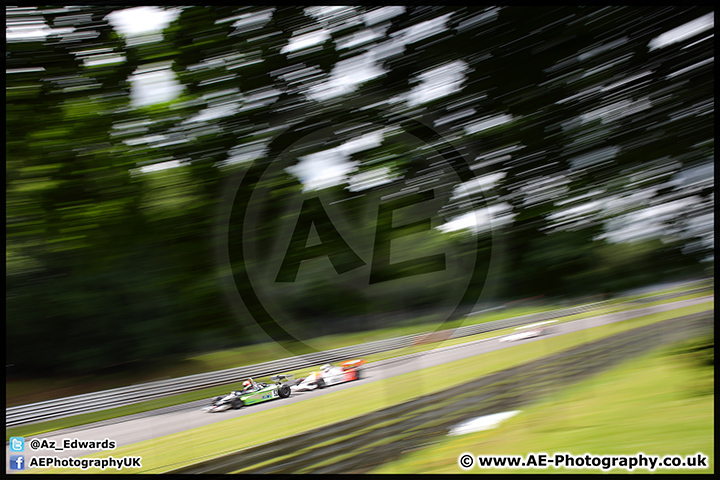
x,y
660,404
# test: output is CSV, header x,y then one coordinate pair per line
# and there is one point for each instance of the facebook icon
x,y
17,462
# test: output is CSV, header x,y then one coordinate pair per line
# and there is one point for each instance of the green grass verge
x,y
59,424
188,447
457,341
688,286
684,297
660,404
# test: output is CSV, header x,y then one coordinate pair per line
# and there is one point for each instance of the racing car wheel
x,y
284,391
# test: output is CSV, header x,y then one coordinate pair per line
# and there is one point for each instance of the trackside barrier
x,y
123,396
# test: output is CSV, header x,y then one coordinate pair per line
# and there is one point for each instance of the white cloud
x,y
245,152
438,82
699,174
332,167
369,140
145,139
576,215
617,110
154,87
142,20
479,184
249,21
162,166
215,112
304,41
360,38
544,189
381,14
455,116
325,13
371,178
481,220
422,30
487,123
33,32
345,77
683,32
596,156
646,223
103,60
322,169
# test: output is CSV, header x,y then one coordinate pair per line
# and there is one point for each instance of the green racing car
x,y
252,393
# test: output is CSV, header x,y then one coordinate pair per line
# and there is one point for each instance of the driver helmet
x,y
325,367
247,385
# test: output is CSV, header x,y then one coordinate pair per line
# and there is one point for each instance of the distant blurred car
x,y
529,331
260,392
330,375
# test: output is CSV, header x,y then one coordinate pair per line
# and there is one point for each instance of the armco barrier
x,y
120,397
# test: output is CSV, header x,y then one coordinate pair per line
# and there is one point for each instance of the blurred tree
x,y
585,117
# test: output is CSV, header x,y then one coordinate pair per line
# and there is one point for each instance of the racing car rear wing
x,y
351,364
283,378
